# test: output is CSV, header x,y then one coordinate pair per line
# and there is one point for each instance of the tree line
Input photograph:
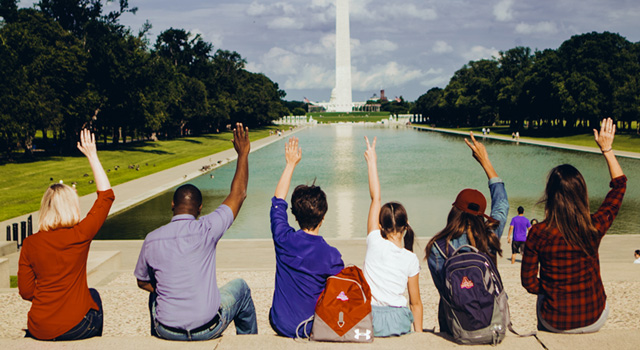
x,y
67,64
589,77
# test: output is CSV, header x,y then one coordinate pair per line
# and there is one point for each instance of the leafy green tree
x,y
45,80
514,65
428,105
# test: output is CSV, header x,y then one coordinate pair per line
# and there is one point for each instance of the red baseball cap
x,y
472,201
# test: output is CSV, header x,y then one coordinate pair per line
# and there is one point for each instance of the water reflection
x,y
422,170
344,169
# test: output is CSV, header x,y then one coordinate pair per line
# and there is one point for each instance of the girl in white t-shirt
x,y
390,265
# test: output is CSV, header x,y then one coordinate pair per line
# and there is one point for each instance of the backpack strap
x,y
468,246
441,246
530,334
304,324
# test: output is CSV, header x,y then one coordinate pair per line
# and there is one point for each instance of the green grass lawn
x,y
23,183
623,142
353,117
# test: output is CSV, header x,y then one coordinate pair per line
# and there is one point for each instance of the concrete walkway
x,y
127,320
634,155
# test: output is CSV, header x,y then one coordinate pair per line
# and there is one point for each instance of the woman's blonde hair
x,y
59,208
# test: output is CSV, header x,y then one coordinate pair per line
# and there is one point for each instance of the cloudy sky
x,y
405,47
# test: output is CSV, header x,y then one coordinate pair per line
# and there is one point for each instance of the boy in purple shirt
x,y
518,228
304,260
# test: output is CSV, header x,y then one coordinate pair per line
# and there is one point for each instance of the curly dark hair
x,y
308,205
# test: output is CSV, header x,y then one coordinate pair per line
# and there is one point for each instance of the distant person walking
x,y
52,270
563,248
636,255
518,230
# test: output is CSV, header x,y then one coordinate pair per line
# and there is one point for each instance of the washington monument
x,y
341,100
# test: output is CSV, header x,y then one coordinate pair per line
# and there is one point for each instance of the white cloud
x,y
284,23
390,74
256,9
440,80
411,10
372,48
442,47
311,76
327,46
259,9
545,27
368,10
479,52
502,10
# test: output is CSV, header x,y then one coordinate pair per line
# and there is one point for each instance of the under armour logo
x,y
466,283
366,334
342,296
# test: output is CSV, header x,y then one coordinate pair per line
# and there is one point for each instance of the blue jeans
x,y
235,305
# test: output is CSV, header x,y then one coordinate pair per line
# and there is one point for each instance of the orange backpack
x,y
343,310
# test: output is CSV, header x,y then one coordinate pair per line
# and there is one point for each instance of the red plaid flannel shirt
x,y
569,279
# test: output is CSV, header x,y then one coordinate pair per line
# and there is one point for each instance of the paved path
x,y
135,191
634,155
127,320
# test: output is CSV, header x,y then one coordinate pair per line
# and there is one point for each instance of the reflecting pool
x,y
424,170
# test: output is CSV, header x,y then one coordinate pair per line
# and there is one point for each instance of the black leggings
x,y
89,326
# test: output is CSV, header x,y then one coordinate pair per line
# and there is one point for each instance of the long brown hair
x,y
393,218
567,208
478,230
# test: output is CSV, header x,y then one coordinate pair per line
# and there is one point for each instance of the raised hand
x,y
604,138
241,142
374,185
370,154
292,152
480,154
87,144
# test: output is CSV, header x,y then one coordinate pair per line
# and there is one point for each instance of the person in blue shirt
x,y
467,224
304,260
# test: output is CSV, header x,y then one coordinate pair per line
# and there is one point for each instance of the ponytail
x,y
408,238
393,218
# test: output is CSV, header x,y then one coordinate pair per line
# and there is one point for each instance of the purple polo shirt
x,y
520,225
181,257
303,263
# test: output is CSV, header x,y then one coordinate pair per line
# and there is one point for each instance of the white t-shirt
x,y
387,269
637,261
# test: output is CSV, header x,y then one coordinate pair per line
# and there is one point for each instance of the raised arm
x,y
374,185
481,155
87,146
292,154
238,192
499,201
604,139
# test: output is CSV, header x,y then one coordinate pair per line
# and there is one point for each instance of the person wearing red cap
x,y
467,223
563,248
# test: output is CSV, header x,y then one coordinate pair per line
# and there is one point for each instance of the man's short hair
x,y
187,196
308,205
520,210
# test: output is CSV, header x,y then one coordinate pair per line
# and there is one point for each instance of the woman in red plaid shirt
x,y
564,247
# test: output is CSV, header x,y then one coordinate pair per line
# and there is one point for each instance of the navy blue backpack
x,y
474,301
